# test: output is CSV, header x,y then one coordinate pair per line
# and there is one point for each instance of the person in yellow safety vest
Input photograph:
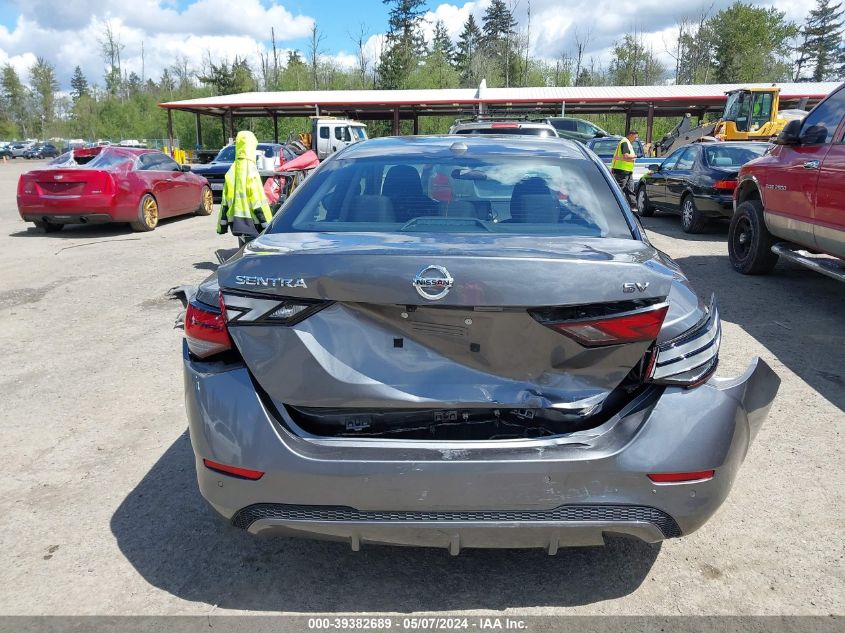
x,y
243,208
622,164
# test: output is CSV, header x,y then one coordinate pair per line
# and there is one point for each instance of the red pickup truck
x,y
790,203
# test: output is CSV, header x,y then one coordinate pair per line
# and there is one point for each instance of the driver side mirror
x,y
600,134
655,167
791,134
185,168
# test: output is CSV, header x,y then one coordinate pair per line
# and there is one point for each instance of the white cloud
x,y
67,33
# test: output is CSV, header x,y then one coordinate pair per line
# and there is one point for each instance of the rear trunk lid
x,y
383,342
69,183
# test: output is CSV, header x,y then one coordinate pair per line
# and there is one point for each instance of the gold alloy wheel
x,y
150,212
207,200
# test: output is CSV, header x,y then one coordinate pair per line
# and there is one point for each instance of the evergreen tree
x,y
468,53
79,84
404,43
821,38
499,29
441,57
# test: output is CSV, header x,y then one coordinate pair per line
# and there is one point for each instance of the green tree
x,y
469,57
79,84
16,95
499,29
821,38
404,44
635,64
228,79
440,60
44,88
751,44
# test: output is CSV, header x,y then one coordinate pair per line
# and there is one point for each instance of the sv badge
x,y
640,286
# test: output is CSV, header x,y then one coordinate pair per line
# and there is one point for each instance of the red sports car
x,y
111,184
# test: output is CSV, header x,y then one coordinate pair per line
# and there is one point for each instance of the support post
x,y
199,131
649,126
627,122
223,121
170,130
396,128
231,126
416,125
276,128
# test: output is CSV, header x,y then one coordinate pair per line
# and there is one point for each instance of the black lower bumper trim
x,y
575,513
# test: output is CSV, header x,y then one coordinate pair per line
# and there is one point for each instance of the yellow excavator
x,y
751,114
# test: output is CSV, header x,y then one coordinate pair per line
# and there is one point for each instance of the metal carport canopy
x,y
384,104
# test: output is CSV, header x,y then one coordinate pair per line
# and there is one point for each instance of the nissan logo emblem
x,y
433,282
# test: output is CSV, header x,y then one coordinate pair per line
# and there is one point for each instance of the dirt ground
x,y
100,512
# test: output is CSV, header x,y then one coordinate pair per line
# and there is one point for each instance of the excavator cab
x,y
750,114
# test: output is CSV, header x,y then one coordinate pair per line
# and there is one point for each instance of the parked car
x,y
18,149
504,126
41,150
273,156
111,184
696,181
791,202
576,129
386,366
6,152
605,148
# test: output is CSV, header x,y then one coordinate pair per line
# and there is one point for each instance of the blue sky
x,y
66,32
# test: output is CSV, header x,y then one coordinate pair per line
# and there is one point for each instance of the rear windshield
x,y
227,154
507,194
521,131
732,155
608,146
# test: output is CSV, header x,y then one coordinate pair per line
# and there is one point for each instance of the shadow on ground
x,y
171,537
97,231
797,314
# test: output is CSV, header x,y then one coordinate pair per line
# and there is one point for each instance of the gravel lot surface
x,y
100,511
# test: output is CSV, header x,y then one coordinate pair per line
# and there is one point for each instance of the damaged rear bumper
x,y
546,493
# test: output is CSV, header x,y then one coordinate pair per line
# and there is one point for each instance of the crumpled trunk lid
x,y
382,343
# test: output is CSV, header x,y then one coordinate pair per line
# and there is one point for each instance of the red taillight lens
x,y
674,478
243,473
725,185
205,331
628,328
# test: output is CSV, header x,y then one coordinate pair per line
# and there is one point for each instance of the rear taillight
x,y
633,327
690,359
725,185
503,125
205,331
243,309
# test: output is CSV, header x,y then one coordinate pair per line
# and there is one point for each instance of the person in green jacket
x,y
243,208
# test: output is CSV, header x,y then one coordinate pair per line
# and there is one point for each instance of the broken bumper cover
x,y
570,490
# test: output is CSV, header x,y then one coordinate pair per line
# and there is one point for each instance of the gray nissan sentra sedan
x,y
462,342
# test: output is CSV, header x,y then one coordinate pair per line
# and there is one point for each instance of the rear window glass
x,y
107,160
521,131
226,155
505,194
608,146
732,155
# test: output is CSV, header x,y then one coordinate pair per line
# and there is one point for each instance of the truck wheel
x,y
749,241
644,207
691,219
206,202
48,227
147,214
